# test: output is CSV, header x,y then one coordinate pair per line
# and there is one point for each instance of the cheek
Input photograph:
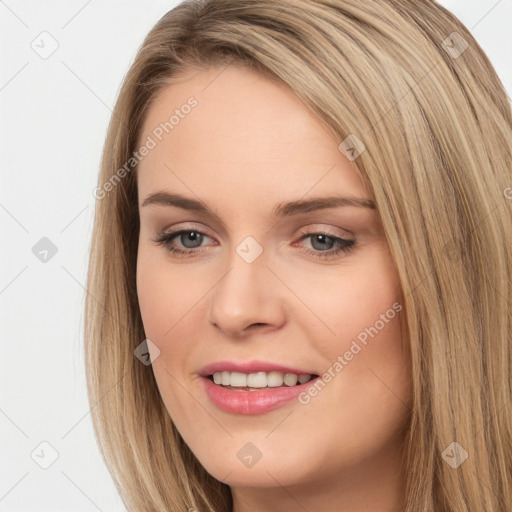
x,y
367,376
347,301
358,313
165,294
166,299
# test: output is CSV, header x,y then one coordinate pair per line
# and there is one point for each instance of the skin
x,y
247,146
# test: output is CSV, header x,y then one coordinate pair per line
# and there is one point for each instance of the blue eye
x,y
190,242
325,245
322,242
190,239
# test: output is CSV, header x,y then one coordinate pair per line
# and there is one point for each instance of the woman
x,y
299,285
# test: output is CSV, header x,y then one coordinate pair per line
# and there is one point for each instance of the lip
x,y
250,367
253,402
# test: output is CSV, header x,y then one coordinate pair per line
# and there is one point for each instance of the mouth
x,y
255,393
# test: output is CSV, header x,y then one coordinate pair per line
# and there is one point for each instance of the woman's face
x,y
267,269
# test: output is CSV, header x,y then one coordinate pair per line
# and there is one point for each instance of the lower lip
x,y
253,402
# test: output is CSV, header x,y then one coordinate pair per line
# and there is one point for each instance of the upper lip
x,y
249,367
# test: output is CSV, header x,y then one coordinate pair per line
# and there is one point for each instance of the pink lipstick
x,y
254,387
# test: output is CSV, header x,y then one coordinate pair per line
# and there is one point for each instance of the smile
x,y
258,380
256,398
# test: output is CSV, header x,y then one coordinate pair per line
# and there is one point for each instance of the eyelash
x,y
344,245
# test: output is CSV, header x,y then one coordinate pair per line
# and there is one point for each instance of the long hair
x,y
409,85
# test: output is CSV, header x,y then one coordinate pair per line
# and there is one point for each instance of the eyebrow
x,y
280,210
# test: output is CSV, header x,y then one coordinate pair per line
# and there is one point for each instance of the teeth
x,y
290,379
274,379
255,380
238,379
260,379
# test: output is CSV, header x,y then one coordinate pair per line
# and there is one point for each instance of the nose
x,y
247,299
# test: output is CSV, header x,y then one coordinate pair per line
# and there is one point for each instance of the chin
x,y
243,463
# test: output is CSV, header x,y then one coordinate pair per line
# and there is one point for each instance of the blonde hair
x,y
437,129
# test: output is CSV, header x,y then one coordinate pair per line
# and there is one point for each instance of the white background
x,y
54,115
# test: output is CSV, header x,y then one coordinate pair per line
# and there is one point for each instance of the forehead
x,y
244,132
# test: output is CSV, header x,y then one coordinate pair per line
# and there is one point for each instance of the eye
x,y
325,245
182,242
